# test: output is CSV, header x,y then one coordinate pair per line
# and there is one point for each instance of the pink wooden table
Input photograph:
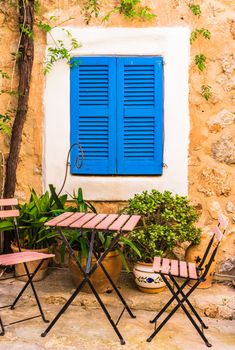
x,y
89,224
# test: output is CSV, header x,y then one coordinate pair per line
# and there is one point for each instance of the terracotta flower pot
x,y
112,263
146,279
20,270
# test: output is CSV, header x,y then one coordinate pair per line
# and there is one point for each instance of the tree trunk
x,y
25,63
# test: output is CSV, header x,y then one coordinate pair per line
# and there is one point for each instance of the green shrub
x,y
166,221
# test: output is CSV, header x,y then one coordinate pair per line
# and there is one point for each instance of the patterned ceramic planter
x,y
147,280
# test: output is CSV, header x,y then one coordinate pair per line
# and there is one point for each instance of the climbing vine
x,y
90,8
200,59
132,9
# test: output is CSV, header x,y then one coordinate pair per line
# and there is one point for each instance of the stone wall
x,y
212,148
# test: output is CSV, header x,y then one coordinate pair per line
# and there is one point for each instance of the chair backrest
x,y
7,210
218,232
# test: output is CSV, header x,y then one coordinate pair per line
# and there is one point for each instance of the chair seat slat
x,y
22,257
157,264
9,213
192,271
174,267
4,202
183,269
165,268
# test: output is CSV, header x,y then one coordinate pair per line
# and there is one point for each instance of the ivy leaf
x,y
45,27
200,61
206,91
196,9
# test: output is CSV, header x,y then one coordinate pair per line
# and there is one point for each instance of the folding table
x,y
93,223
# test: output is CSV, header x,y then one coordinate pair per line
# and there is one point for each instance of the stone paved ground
x,y
84,326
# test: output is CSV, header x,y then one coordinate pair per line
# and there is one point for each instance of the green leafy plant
x,y
6,121
206,91
24,29
82,205
90,8
60,52
39,209
4,75
78,242
196,9
45,27
200,31
33,215
166,221
200,61
132,9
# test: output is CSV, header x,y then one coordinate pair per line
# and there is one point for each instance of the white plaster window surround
x,y
170,42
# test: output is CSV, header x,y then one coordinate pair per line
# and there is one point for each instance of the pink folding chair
x,y
170,269
8,211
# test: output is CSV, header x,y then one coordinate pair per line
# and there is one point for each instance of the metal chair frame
x,y
20,257
179,295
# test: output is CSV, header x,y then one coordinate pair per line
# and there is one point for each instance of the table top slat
x,y
57,219
103,225
70,220
131,223
82,221
95,221
117,224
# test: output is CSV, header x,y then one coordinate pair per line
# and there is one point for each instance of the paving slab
x,y
84,326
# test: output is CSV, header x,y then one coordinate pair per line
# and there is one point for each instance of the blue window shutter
x,y
93,114
139,116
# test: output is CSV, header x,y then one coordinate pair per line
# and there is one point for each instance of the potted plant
x,y
113,262
167,220
32,232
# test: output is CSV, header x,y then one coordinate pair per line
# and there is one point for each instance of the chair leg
x,y
180,289
180,304
2,327
30,278
154,320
